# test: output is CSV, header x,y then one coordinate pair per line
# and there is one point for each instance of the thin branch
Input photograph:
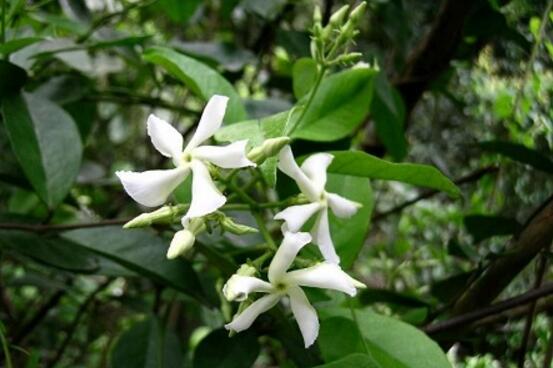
x,y
39,228
73,326
474,176
468,318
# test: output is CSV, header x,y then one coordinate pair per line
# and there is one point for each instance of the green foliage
x,y
216,350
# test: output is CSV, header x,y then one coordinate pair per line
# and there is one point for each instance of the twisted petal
x,y
284,256
151,188
321,237
342,207
245,319
315,168
305,315
206,198
287,164
238,287
211,120
325,276
166,139
231,156
295,216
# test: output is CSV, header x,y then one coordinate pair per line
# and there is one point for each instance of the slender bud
x,y
358,12
229,225
269,148
165,214
317,17
181,244
246,270
337,18
352,57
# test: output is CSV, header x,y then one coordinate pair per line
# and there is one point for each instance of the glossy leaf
x,y
357,163
17,44
147,345
46,143
304,74
179,11
349,234
388,114
219,350
483,227
341,103
393,343
520,153
338,337
139,251
357,360
201,79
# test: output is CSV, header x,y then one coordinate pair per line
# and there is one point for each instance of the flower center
x,y
280,287
185,158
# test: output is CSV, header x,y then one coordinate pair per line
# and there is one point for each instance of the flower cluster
x,y
152,188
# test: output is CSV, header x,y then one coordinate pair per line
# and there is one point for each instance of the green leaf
x,y
13,78
179,11
520,153
139,251
17,44
219,350
256,131
264,8
339,336
304,74
393,343
340,104
372,295
227,55
146,345
535,23
483,226
353,361
450,288
357,163
46,143
201,79
388,113
349,234
55,252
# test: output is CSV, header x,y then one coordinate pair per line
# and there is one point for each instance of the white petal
x,y
305,315
206,198
325,276
211,120
181,243
315,168
342,207
321,237
296,216
151,188
231,156
245,319
166,139
238,287
287,164
285,254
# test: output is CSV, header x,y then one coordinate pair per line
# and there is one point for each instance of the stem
x,y
264,231
316,86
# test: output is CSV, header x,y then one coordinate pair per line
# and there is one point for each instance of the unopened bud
x,y
358,12
337,18
269,148
352,57
229,225
165,214
181,244
317,17
246,270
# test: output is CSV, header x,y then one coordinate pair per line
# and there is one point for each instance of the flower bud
x,y
358,12
246,270
317,17
269,148
165,214
338,17
229,225
352,57
181,244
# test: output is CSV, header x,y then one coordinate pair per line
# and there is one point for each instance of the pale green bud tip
x,y
246,270
229,225
338,17
181,244
358,12
317,17
139,221
269,148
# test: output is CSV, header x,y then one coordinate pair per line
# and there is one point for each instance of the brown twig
x,y
475,175
468,318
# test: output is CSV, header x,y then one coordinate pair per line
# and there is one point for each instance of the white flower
x,y
282,283
151,188
311,179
